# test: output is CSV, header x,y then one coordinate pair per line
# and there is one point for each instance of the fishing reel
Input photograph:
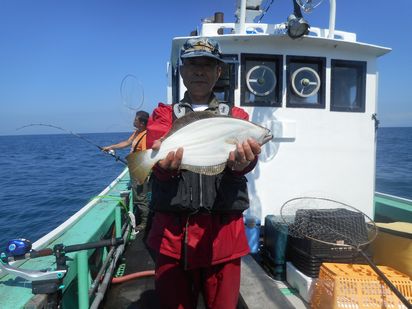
x,y
43,282
18,247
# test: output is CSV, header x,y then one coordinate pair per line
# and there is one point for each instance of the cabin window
x,y
261,77
305,82
224,89
348,84
227,83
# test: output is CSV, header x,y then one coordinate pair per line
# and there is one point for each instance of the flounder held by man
x,y
206,139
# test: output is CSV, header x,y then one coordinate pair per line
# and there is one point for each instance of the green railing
x,y
389,208
103,219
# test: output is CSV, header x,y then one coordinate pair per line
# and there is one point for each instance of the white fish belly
x,y
207,142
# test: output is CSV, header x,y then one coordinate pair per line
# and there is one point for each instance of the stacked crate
x,y
308,254
342,286
275,242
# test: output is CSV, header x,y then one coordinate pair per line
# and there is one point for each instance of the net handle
x,y
391,286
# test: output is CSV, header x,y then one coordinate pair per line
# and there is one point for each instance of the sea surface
x,y
44,179
394,161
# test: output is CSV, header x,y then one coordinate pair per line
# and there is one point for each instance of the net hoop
x,y
131,92
287,212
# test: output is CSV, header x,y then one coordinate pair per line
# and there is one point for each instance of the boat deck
x,y
258,289
135,293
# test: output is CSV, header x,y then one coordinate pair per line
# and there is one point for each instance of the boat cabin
x,y
316,93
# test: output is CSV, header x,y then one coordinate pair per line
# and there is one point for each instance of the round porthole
x,y
261,80
305,82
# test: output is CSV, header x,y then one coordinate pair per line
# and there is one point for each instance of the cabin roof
x,y
323,44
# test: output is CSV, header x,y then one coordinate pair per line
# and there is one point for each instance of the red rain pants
x,y
179,288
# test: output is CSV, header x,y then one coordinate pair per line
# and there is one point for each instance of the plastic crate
x,y
318,223
275,239
321,250
358,286
310,265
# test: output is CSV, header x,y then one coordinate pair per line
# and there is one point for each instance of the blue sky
x,y
62,62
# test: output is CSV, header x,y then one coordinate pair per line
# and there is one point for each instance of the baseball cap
x,y
201,47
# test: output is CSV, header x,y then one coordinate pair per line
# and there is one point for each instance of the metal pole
x,y
332,16
118,221
242,17
83,279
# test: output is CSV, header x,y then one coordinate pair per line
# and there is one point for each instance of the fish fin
x,y
205,170
140,164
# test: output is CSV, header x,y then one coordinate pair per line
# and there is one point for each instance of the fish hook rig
x,y
111,153
45,282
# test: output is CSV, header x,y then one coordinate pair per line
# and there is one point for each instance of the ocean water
x,y
44,179
394,161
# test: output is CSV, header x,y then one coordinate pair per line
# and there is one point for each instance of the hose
x,y
140,274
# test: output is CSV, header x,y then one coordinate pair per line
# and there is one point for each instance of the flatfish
x,y
206,138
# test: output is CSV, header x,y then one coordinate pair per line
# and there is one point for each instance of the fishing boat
x,y
315,89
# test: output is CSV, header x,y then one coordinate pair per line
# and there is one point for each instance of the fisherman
x,y
198,247
138,143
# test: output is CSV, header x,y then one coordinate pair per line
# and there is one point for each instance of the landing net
x,y
328,221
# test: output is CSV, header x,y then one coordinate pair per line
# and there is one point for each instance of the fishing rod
x,y
111,152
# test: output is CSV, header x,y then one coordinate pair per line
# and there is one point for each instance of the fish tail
x,y
140,163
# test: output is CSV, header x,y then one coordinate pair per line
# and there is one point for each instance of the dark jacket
x,y
190,192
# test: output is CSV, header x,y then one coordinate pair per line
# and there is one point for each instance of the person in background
x,y
200,245
138,137
138,143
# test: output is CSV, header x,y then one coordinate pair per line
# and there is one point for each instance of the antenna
x,y
308,5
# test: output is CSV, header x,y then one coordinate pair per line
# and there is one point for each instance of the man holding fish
x,y
201,150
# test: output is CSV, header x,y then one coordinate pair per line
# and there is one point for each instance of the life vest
x,y
180,109
139,139
190,192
